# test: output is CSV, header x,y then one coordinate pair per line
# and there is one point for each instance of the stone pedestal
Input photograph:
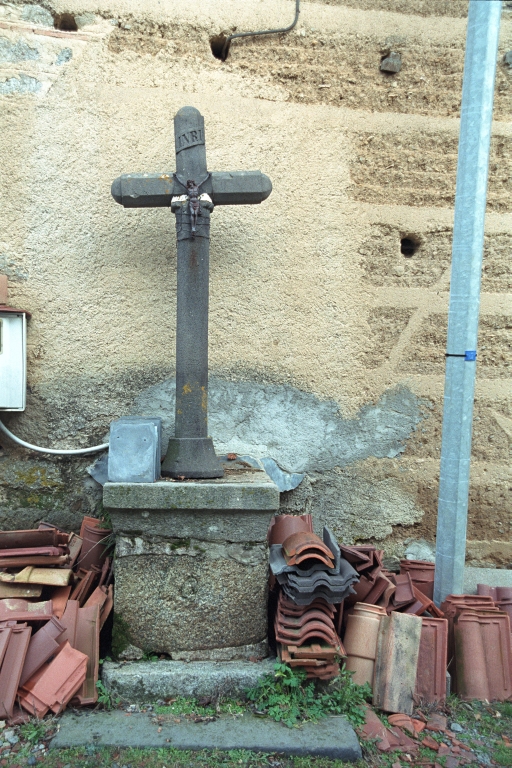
x,y
191,564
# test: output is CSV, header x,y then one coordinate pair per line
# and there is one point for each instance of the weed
x,y
184,706
347,698
149,656
104,516
502,755
105,698
286,697
180,544
34,731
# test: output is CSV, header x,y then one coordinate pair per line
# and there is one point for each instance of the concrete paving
x,y
331,737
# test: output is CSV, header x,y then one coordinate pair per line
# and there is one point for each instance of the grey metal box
x,y
13,355
134,451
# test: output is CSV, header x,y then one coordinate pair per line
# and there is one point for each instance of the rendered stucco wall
x,y
326,342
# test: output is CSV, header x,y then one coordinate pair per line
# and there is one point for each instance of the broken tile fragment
x,y
402,721
436,722
430,743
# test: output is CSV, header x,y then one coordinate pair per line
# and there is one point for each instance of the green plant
x,y
149,656
184,706
347,698
34,731
104,517
502,755
105,698
286,697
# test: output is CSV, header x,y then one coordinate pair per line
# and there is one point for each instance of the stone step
x,y
148,681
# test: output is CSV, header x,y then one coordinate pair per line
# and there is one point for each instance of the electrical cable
x,y
53,451
227,42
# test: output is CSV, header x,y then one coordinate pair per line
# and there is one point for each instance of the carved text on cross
x,y
192,193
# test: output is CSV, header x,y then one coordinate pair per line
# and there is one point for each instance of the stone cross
x,y
191,192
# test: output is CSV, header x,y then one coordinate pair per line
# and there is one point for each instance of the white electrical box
x,y
13,359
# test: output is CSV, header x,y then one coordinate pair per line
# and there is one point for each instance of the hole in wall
x,y
408,246
65,22
218,46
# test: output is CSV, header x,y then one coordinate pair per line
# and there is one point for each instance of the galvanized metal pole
x,y
468,237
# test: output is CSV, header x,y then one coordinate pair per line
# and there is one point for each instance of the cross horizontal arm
x,y
154,190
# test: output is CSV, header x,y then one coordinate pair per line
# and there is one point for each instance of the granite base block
x,y
200,596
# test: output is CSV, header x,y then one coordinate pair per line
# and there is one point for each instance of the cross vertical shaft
x,y
191,453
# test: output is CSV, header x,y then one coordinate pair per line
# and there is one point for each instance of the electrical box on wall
x,y
13,359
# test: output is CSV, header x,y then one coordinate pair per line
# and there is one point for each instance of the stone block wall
x,y
328,302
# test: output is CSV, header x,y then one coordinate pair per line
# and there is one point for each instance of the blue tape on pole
x,y
470,354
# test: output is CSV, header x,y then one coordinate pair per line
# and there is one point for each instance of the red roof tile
x,y
93,522
404,590
109,604
381,586
432,661
303,545
57,684
14,609
5,634
94,546
20,590
282,526
360,641
32,538
483,655
69,621
43,645
87,640
60,597
98,597
20,562
27,551
84,585
12,666
75,546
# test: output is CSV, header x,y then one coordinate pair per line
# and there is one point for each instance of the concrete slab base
x,y
493,577
148,681
331,737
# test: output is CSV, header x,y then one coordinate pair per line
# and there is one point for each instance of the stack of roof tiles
x,y
319,592
55,595
312,579
479,647
410,591
502,597
472,632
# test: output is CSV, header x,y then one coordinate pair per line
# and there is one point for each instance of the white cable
x,y
55,451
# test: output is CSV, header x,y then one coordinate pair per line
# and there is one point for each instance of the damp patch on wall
x,y
297,429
